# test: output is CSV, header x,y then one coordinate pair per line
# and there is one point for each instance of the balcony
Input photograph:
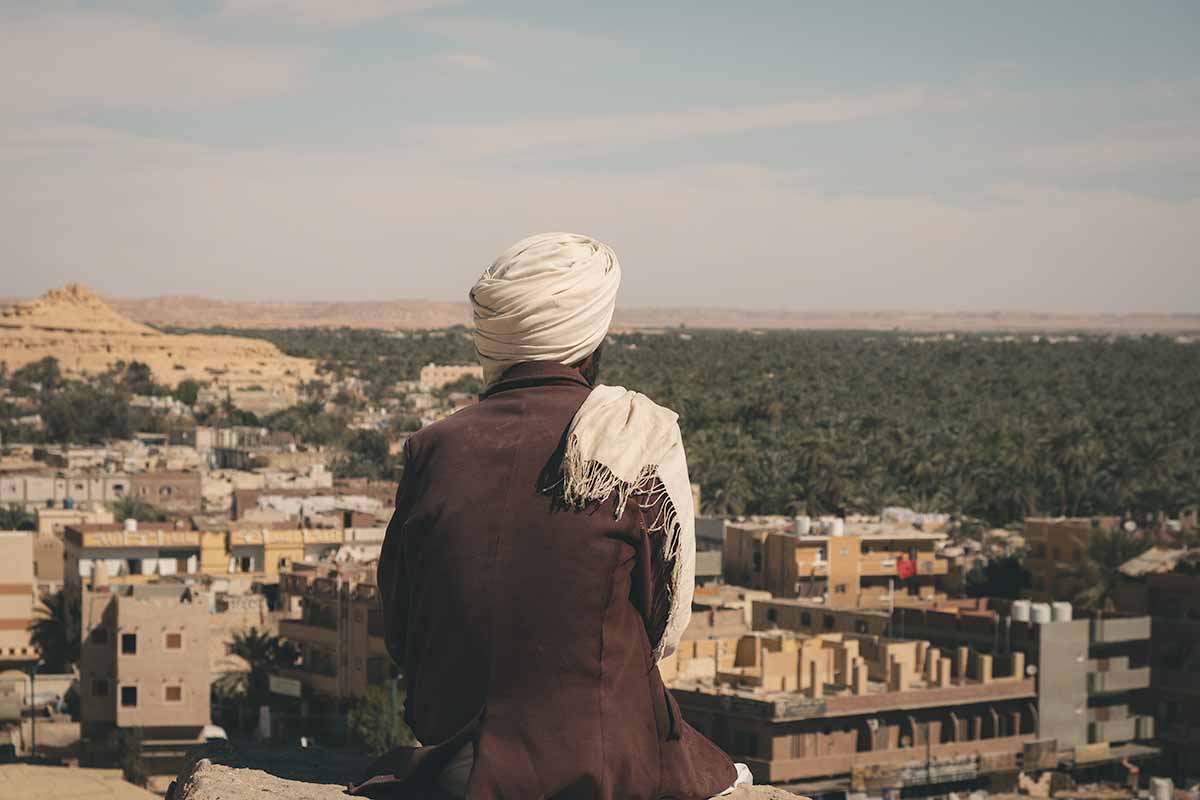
x,y
302,632
1119,680
1118,629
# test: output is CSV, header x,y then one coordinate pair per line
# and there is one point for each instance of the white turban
x,y
549,297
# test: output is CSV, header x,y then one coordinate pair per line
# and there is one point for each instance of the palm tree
x,y
1099,571
15,518
263,653
55,632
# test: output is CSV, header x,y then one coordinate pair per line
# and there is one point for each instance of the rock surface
x,y
222,773
88,336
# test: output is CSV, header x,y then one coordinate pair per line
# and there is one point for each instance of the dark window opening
x,y
129,644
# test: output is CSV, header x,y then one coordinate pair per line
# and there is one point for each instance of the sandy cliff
x,y
87,336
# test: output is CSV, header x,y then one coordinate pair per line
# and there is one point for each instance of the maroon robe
x,y
525,627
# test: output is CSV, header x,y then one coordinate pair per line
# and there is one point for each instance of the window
x,y
173,640
772,615
129,697
99,687
129,644
757,561
164,491
805,619
173,694
860,626
840,588
828,622
100,635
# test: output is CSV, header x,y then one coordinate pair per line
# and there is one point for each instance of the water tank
x,y
131,525
1020,610
803,525
1161,789
1060,612
1040,613
837,527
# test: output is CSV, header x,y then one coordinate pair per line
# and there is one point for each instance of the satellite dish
x,y
1031,670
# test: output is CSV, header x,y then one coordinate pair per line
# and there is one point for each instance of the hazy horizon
x,y
959,158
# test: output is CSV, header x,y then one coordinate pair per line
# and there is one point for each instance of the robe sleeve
x,y
390,574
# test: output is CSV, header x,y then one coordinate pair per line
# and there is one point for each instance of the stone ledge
x,y
223,773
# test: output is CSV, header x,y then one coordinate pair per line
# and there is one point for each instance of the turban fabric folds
x,y
549,297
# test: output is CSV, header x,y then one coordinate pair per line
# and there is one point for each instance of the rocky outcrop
x,y
87,336
222,773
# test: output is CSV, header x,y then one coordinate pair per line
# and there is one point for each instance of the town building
x,y
853,563
832,712
18,596
437,376
1165,583
1055,547
1093,672
169,490
136,552
46,489
339,630
144,664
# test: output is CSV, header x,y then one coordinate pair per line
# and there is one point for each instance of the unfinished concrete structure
x,y
824,712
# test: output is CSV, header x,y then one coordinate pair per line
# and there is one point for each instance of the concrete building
x,y
435,376
1165,583
18,595
49,489
1054,549
832,712
339,631
845,565
173,491
135,553
144,664
1093,673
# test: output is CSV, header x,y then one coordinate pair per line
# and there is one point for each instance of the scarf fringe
x,y
590,481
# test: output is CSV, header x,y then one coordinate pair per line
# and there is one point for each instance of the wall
x,y
16,596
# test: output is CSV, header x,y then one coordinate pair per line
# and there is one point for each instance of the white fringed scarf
x,y
621,444
550,297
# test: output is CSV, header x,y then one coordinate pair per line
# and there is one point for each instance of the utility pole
x,y
33,708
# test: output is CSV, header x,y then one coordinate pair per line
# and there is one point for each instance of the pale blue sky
x,y
958,156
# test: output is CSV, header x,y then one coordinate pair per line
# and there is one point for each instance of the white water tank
x,y
131,525
837,527
1060,612
1161,789
1020,610
1040,613
803,525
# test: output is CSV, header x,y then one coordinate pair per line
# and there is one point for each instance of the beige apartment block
x,y
144,663
17,598
47,489
340,631
853,566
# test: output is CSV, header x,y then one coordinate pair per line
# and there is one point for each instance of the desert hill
x,y
87,335
202,312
